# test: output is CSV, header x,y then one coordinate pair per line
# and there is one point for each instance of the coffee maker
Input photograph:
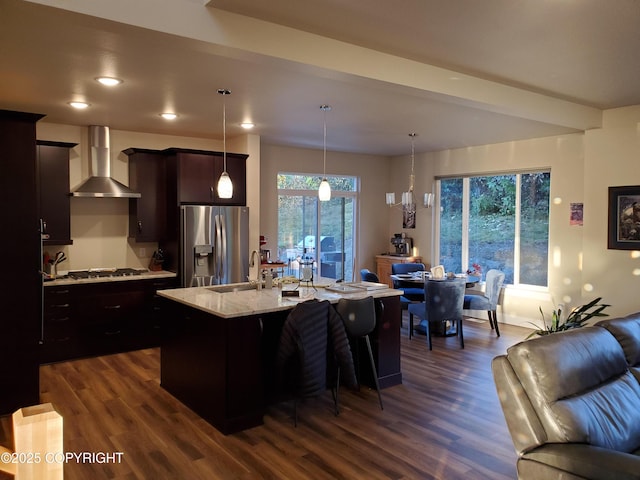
x,y
402,244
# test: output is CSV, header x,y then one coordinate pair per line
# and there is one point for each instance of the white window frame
x,y
465,223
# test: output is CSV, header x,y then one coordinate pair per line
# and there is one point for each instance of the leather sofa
x,y
571,401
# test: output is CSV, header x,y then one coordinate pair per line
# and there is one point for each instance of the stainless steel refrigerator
x,y
214,245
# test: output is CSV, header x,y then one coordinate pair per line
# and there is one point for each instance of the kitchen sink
x,y
234,287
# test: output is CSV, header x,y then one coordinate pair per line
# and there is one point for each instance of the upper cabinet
x,y
168,178
197,172
53,191
148,176
237,170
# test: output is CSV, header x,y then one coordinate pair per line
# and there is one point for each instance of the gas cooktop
x,y
106,272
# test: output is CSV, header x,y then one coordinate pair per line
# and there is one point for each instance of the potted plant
x,y
576,318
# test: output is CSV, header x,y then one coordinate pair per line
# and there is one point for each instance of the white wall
x,y
612,159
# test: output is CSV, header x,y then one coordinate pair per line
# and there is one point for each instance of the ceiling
x,y
458,73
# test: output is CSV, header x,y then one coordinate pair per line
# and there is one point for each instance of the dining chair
x,y
312,342
443,304
489,300
360,317
367,275
411,294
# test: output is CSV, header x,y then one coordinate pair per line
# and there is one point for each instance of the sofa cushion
x,y
580,387
627,332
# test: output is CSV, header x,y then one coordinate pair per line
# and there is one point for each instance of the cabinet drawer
x,y
57,297
57,332
110,306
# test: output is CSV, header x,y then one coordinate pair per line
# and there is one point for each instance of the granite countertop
x,y
144,276
243,299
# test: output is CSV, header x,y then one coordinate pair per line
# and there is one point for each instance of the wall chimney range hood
x,y
100,184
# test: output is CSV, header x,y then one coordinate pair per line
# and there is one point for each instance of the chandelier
x,y
408,197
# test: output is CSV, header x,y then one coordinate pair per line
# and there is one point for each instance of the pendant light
x,y
324,192
407,197
225,187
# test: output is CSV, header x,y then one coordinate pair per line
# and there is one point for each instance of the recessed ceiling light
x,y
247,125
79,105
109,81
169,116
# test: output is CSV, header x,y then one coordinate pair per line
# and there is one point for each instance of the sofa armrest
x,y
586,461
523,423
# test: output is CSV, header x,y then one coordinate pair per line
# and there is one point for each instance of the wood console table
x,y
384,262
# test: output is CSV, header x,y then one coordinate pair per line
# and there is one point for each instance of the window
x,y
323,232
499,221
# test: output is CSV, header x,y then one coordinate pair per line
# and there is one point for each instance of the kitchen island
x,y
218,351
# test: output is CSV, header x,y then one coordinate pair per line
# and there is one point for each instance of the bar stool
x,y
359,317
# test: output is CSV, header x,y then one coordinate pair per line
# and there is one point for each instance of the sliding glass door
x,y
314,231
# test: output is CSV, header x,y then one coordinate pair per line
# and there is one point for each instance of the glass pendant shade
x,y
225,187
324,192
407,198
390,198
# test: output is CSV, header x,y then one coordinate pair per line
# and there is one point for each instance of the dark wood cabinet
x,y
174,176
237,170
154,309
22,289
197,173
196,178
59,330
147,214
213,365
100,318
53,191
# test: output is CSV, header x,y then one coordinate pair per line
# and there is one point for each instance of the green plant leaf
x,y
576,318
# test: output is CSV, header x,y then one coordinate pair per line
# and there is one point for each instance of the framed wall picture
x,y
409,216
624,218
576,217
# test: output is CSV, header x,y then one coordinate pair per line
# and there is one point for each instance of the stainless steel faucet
x,y
252,263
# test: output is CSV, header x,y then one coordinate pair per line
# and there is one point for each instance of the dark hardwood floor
x,y
443,422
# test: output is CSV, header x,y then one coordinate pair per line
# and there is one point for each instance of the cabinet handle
x,y
139,226
211,190
60,292
62,305
111,307
59,320
112,332
44,226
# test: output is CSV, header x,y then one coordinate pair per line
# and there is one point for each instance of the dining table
x,y
419,277
412,279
